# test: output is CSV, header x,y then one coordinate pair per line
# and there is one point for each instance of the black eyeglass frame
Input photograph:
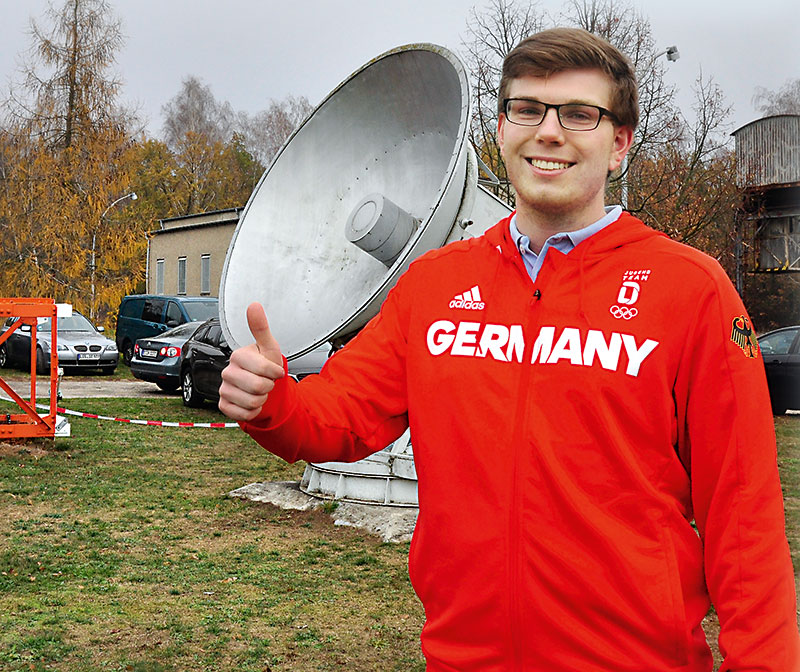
x,y
548,106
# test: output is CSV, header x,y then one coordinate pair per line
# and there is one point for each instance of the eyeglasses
x,y
571,116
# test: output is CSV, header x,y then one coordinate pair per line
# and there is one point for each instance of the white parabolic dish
x,y
397,128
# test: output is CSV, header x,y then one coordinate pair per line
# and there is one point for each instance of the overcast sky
x,y
252,52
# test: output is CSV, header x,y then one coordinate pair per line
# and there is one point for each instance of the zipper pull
x,y
537,294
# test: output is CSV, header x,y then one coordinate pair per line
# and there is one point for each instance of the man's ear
x,y
623,139
501,122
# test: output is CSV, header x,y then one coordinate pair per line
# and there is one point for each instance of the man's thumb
x,y
259,328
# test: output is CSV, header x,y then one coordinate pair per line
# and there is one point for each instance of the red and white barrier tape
x,y
131,421
153,423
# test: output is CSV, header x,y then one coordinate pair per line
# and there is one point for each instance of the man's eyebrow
x,y
574,101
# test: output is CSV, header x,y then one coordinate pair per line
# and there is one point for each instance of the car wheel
x,y
127,352
42,363
189,393
3,357
167,386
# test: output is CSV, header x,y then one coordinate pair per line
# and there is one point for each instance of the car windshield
x,y
199,311
76,322
186,329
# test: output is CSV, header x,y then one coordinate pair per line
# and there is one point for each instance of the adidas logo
x,y
471,300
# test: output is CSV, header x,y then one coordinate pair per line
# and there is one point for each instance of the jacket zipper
x,y
520,449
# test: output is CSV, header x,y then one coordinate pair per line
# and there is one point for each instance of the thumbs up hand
x,y
253,369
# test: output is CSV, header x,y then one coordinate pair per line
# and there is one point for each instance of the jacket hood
x,y
624,231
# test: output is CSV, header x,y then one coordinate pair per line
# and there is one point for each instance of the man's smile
x,y
546,164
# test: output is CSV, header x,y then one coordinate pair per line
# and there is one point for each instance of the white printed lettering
x,y
516,343
493,338
628,298
636,355
607,353
543,344
568,347
466,339
439,339
506,343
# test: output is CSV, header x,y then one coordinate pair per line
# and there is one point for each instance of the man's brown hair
x,y
560,49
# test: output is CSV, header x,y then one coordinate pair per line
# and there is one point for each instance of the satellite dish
x,y
379,173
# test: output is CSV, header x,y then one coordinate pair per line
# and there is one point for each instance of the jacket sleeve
x,y
356,406
727,440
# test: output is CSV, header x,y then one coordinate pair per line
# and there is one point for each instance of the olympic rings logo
x,y
623,312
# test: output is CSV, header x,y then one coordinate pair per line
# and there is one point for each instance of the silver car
x,y
80,345
157,359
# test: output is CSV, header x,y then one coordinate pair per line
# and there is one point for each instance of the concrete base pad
x,y
391,524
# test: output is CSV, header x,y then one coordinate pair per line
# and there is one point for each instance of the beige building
x,y
186,254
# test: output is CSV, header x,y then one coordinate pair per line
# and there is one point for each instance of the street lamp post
x,y
672,55
133,197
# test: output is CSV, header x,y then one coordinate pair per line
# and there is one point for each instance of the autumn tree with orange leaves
x,y
66,154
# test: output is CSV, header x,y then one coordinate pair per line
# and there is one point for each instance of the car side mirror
x,y
172,323
100,329
26,328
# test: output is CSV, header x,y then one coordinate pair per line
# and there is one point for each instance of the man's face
x,y
561,174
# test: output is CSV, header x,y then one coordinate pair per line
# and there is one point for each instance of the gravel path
x,y
87,386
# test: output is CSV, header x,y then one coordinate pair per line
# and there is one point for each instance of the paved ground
x,y
88,386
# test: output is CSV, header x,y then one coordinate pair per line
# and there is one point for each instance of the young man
x,y
569,428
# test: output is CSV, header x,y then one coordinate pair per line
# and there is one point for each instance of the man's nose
x,y
550,127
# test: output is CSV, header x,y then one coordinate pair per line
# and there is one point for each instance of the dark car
x,y
158,359
780,350
207,352
204,356
80,345
143,315
310,363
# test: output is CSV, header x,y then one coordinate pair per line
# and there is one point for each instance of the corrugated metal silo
x,y
768,170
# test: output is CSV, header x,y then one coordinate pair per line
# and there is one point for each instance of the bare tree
x,y
491,34
785,100
195,110
630,31
674,162
265,132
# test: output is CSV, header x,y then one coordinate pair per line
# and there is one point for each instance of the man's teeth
x,y
548,165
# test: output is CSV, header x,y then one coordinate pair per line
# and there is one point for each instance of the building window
x,y
181,275
205,274
159,276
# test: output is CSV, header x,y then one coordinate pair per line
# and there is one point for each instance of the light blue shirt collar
x,y
564,242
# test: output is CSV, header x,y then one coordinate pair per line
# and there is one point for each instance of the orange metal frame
x,y
30,423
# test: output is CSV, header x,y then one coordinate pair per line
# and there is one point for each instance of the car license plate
x,y
89,356
150,353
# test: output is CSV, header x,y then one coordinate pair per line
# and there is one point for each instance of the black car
x,y
203,357
780,350
206,353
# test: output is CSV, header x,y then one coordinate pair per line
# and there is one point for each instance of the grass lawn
x,y
120,551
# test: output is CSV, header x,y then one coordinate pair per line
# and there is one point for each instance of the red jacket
x,y
566,434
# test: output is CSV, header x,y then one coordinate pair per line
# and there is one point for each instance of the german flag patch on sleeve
x,y
742,334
